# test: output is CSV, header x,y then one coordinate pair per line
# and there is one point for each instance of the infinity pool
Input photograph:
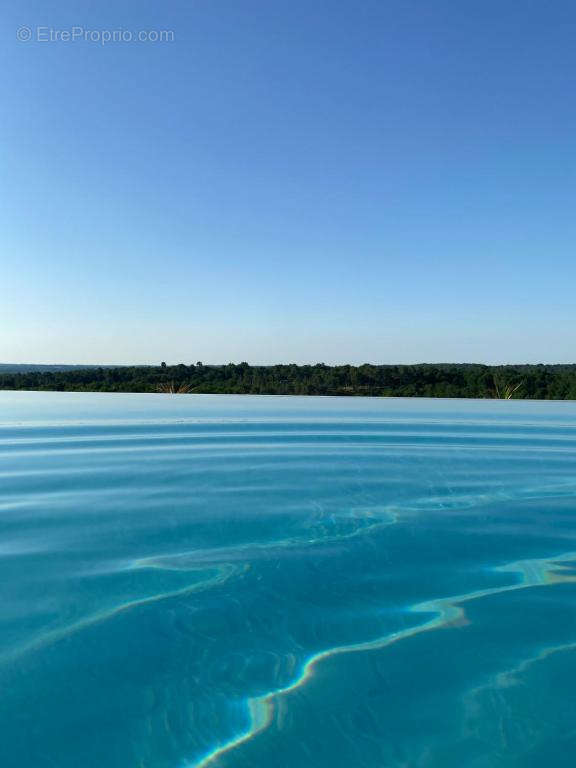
x,y
266,582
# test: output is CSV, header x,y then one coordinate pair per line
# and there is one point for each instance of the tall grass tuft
x,y
174,389
506,391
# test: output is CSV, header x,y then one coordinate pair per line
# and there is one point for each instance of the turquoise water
x,y
255,582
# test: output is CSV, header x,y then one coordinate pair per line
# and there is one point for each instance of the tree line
x,y
540,382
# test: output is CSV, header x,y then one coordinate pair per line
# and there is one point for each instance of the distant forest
x,y
537,382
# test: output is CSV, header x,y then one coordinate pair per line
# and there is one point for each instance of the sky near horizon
x,y
305,181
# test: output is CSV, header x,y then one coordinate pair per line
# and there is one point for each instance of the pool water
x,y
276,582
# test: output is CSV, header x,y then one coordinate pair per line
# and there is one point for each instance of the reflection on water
x,y
220,581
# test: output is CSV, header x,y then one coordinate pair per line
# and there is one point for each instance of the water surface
x,y
269,582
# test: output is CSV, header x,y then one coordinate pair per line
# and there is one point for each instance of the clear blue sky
x,y
308,181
